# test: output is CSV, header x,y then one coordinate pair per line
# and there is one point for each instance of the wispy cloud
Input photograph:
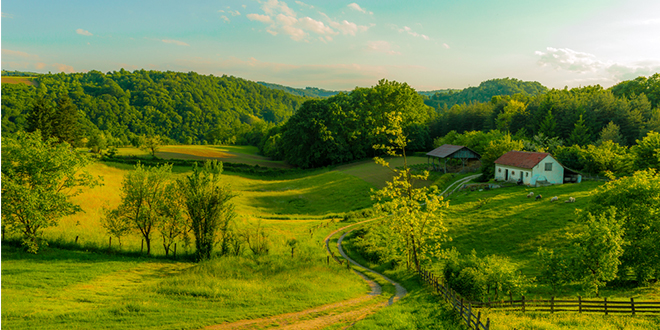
x,y
413,33
84,32
63,68
5,15
225,18
589,64
260,18
357,7
175,42
382,47
304,5
445,45
16,53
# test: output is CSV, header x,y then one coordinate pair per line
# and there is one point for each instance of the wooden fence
x,y
465,307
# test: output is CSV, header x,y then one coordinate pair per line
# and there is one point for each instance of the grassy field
x,y
230,154
19,80
375,174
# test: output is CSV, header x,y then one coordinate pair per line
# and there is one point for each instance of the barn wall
x,y
500,170
556,176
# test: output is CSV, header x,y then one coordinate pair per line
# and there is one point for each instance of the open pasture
x,y
376,174
231,154
30,81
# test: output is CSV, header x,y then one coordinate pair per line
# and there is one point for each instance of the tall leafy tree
x,y
64,122
495,150
208,207
38,180
41,118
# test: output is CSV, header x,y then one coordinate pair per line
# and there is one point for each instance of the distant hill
x,y
307,92
19,73
185,107
485,91
441,91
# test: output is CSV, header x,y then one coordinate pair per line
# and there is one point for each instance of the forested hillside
x,y
306,92
485,91
185,107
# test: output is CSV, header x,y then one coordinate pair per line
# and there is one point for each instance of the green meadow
x,y
80,283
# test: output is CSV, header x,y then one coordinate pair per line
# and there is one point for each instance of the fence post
x,y
76,239
523,304
605,304
632,305
110,243
552,304
580,304
478,320
488,324
469,318
461,307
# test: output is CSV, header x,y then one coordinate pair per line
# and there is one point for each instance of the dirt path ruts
x,y
344,312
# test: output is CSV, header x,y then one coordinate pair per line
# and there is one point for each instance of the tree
x,y
580,135
40,118
65,125
647,152
612,133
494,151
173,224
597,250
146,201
114,224
38,179
548,125
151,144
415,220
637,202
208,208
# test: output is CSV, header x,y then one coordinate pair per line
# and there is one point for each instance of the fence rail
x,y
465,307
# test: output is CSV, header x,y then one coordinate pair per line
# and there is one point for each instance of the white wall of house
x,y
554,174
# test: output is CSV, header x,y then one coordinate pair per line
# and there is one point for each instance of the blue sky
x,y
342,44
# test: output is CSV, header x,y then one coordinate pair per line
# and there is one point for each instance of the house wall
x,y
556,176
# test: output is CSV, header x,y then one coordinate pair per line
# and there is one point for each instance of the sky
x,y
339,45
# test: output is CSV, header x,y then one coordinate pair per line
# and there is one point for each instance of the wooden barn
x,y
533,168
450,151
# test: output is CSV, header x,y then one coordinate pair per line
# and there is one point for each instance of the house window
x,y
527,174
548,166
499,170
513,172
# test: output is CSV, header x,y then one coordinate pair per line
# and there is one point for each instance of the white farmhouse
x,y
533,168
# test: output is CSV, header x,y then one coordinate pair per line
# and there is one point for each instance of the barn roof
x,y
521,159
447,150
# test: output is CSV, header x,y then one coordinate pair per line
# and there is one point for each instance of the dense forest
x,y
484,92
184,107
306,92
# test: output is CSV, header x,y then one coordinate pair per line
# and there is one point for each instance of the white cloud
x,y
295,33
5,15
63,68
318,27
286,20
304,5
225,18
234,13
260,18
446,46
413,33
16,53
84,32
357,7
271,7
382,47
588,64
175,42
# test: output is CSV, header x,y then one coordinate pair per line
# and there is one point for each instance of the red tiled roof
x,y
521,159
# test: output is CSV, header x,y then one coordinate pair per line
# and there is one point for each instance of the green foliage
x,y
146,203
600,159
580,135
151,144
597,250
208,208
475,140
474,277
185,107
611,132
38,179
485,91
495,150
306,92
345,127
555,268
641,85
636,201
647,152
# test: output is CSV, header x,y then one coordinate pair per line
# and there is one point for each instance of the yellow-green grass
x,y
376,174
19,80
308,200
231,154
60,289
569,321
505,222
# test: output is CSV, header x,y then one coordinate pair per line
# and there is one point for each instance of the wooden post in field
x,y
478,320
552,304
605,304
142,247
469,318
632,305
76,239
110,243
174,250
488,324
580,304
